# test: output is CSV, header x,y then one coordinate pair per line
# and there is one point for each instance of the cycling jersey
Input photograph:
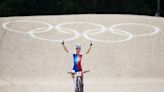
x,y
77,62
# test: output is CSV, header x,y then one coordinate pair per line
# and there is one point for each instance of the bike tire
x,y
79,84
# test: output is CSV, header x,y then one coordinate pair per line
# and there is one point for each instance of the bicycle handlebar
x,y
82,72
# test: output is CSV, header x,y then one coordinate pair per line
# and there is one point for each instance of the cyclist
x,y
77,58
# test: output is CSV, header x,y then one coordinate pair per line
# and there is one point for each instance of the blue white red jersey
x,y
77,62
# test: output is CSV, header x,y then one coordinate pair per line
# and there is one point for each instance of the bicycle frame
x,y
79,80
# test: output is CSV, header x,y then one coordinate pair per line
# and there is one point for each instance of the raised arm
x,y
89,49
65,47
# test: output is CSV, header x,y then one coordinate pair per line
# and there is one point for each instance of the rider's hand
x,y
91,44
62,43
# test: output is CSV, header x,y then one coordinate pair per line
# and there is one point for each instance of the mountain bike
x,y
79,80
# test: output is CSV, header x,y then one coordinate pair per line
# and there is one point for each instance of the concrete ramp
x,y
127,53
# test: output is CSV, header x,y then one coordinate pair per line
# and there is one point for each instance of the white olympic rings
x,y
112,31
99,29
156,29
40,22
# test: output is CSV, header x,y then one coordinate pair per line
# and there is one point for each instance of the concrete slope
x,y
127,53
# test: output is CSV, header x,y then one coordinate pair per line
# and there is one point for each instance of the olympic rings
x,y
59,26
114,29
129,36
32,33
156,29
5,26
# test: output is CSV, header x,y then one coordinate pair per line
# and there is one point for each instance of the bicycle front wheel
x,y
79,84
